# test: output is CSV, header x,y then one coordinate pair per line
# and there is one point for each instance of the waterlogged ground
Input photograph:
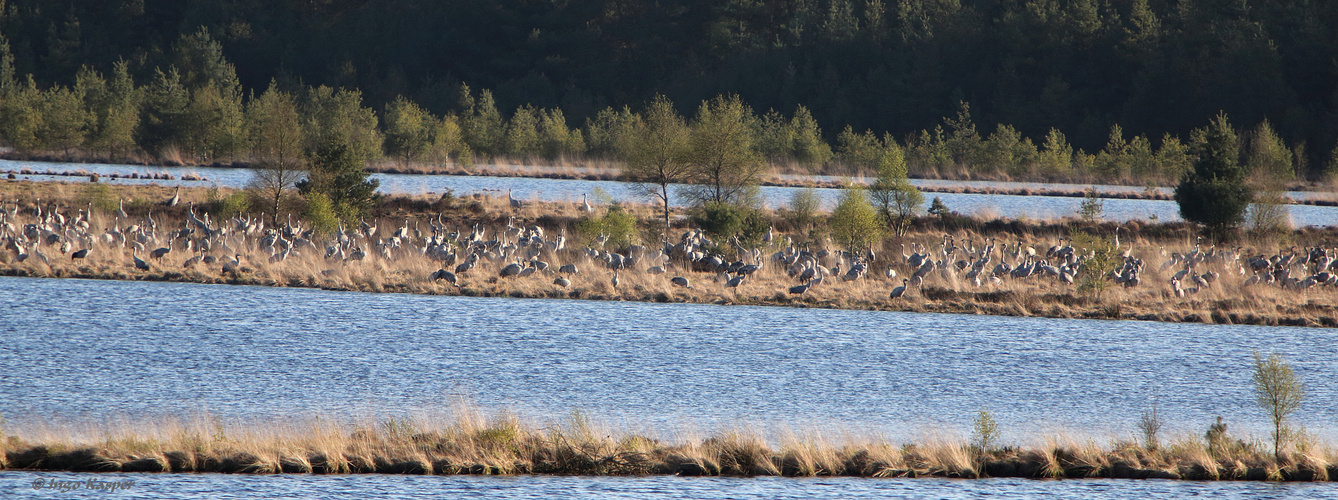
x,y
19,485
985,205
96,350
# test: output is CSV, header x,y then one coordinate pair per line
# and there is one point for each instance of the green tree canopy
x,y
1215,193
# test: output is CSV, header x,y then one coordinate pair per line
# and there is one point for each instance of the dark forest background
x,y
904,67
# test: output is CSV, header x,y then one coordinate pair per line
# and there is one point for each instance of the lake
x,y
570,190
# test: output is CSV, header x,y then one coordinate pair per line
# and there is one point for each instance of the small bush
x,y
619,226
1092,207
985,432
321,213
803,208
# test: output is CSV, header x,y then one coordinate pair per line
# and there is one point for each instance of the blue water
x,y
18,485
570,190
76,349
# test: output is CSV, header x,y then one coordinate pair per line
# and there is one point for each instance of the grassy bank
x,y
409,268
467,442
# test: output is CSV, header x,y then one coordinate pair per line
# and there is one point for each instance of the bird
x,y
442,274
175,199
799,289
569,269
516,204
901,290
232,265
510,270
585,205
159,253
79,254
139,263
681,281
562,282
614,281
735,281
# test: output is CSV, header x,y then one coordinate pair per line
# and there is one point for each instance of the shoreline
x,y
942,300
471,444
559,172
650,275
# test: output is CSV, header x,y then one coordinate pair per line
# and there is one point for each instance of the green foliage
x,y
617,224
1100,259
1267,156
1215,193
276,146
233,204
522,133
938,209
163,116
903,206
855,223
1279,392
802,210
1092,206
321,213
658,153
339,176
725,163
1056,155
984,433
100,196
722,221
21,117
870,153
407,130
338,116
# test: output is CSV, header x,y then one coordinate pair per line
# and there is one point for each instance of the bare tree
x,y
1279,392
657,152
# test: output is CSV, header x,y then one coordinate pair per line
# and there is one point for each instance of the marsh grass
x,y
408,272
466,441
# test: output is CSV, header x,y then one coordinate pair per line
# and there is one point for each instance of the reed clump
x,y
469,443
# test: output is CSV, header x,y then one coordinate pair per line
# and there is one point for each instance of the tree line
x,y
1155,67
195,110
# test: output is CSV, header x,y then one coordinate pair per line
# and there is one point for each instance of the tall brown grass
x,y
465,441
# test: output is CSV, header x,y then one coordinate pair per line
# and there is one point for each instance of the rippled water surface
x,y
219,486
987,205
88,349
76,350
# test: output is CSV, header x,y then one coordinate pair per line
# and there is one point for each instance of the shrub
x,y
617,225
1279,392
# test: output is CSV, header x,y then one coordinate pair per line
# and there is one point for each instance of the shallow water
x,y
19,485
88,350
570,190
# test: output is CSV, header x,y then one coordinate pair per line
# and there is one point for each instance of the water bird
x,y
681,281
79,254
901,290
139,263
562,282
442,274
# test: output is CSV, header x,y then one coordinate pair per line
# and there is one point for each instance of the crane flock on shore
x,y
46,233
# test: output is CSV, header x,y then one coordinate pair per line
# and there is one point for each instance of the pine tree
x,y
1215,194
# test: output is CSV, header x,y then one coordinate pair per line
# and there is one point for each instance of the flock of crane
x,y
46,232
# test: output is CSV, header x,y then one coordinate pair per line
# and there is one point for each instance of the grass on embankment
x,y
469,443
1224,303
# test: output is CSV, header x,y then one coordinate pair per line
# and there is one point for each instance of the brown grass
x,y
465,441
1221,303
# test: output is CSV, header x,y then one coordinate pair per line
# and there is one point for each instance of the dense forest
x,y
955,82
